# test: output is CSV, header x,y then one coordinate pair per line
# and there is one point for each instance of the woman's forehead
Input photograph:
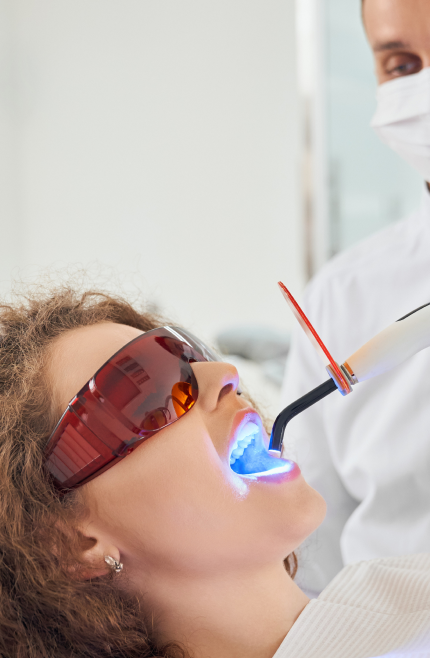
x,y
78,353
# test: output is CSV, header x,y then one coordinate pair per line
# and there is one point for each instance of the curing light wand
x,y
385,351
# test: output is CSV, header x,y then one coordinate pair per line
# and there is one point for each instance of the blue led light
x,y
256,460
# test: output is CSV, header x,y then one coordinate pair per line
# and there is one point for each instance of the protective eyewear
x,y
144,387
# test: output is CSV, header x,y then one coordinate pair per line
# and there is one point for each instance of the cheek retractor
x,y
385,351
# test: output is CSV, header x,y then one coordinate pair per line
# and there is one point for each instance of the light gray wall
x,y
369,186
159,137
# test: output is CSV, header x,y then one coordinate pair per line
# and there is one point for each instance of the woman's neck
x,y
230,615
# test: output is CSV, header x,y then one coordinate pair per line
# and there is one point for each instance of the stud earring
x,y
115,566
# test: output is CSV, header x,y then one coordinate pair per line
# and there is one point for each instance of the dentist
x,y
369,454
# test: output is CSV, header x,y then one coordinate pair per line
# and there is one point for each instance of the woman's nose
x,y
215,380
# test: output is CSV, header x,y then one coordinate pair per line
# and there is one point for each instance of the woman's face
x,y
175,502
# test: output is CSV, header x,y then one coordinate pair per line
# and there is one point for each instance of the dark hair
x,y
45,612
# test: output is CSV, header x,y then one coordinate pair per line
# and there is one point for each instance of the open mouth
x,y
249,455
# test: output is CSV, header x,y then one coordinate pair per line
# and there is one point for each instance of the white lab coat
x,y
368,454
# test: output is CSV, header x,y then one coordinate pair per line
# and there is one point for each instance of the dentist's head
x,y
399,34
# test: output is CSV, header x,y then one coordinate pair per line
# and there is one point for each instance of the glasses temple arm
x,y
281,422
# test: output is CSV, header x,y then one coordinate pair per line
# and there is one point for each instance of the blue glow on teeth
x,y
250,457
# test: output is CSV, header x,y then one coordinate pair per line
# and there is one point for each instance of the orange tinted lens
x,y
156,420
183,397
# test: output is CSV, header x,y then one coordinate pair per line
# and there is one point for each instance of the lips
x,y
249,456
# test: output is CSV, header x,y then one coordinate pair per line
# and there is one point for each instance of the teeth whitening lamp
x,y
385,351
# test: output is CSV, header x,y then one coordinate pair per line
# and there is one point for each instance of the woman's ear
x,y
95,547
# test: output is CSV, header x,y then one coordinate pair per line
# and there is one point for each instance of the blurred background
x,y
195,151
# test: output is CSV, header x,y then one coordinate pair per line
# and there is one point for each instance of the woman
x,y
144,516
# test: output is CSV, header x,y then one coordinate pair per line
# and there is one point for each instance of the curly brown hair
x,y
47,609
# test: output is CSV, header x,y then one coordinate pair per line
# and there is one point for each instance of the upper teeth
x,y
244,438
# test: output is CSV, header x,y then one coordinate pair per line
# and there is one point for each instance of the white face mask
x,y
402,119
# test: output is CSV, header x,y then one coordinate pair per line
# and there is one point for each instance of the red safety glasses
x,y
143,388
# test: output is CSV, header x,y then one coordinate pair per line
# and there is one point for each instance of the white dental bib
x,y
371,609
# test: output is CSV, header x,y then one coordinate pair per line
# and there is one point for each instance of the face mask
x,y
402,119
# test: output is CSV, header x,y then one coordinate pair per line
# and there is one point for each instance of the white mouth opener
x,y
385,351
